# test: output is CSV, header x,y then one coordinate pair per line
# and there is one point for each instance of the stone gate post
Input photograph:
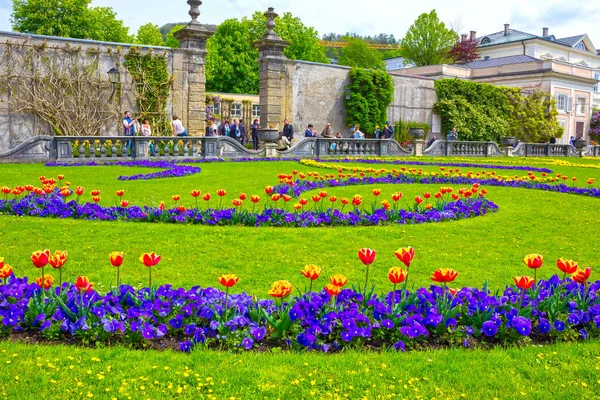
x,y
193,75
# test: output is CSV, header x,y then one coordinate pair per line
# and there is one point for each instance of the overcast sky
x,y
372,17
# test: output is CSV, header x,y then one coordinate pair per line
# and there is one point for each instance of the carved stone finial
x,y
271,15
194,10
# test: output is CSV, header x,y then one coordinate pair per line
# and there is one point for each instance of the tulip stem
x,y
43,285
310,287
60,279
366,280
119,279
393,297
225,308
150,278
521,300
406,280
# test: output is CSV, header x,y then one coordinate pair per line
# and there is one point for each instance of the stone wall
x,y
317,93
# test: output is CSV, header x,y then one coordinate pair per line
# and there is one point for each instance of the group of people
x,y
235,130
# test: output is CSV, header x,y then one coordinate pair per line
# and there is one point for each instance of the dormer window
x,y
580,46
485,40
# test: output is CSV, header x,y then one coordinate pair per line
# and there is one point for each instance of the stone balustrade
x,y
456,148
545,150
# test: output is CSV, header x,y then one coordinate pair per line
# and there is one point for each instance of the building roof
x,y
517,36
496,62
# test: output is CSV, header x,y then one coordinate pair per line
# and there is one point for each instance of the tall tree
x,y
170,39
150,35
464,51
359,54
427,41
231,62
68,18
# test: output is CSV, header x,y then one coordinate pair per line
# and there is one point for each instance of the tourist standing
x,y
234,130
309,131
553,140
147,131
288,130
327,132
128,129
352,130
452,135
243,132
432,141
254,131
210,128
377,132
177,126
388,131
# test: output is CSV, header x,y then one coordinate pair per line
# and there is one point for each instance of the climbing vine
x,y
153,82
370,94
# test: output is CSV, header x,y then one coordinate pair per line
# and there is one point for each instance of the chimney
x,y
506,28
473,35
544,31
463,37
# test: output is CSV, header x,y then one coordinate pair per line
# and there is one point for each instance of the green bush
x,y
371,93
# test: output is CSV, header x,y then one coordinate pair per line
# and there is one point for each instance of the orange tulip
x,y
534,261
311,272
397,196
303,202
83,284
120,193
444,275
60,177
357,200
427,195
243,196
386,204
268,189
281,289
42,178
276,197
79,191
180,209
367,256
298,206
376,192
96,199
58,259
228,280
206,197
64,193
419,200
29,188
396,275
344,201
40,258
221,192
406,255
48,282
237,202
124,204
316,198
286,198
338,280
95,193
524,282
582,275
195,193
323,194
150,259
333,290
6,189
255,199
567,266
116,258
176,197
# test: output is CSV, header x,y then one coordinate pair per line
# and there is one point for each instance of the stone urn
x,y
509,141
269,137
580,143
416,133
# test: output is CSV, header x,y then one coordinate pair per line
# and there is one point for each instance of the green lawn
x,y
482,249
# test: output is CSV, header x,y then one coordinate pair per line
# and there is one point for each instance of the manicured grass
x,y
488,248
563,371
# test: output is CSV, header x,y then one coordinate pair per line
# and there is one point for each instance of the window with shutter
x,y
569,104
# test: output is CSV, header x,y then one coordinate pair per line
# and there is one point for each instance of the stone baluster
x,y
102,149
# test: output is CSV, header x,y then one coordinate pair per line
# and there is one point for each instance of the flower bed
x,y
53,205
395,161
171,169
326,320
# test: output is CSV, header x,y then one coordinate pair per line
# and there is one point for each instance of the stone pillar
x,y
193,42
418,145
273,74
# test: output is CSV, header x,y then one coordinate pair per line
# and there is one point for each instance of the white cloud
x,y
370,17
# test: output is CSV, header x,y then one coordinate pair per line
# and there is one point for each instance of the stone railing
x,y
545,150
463,149
35,149
592,151
322,147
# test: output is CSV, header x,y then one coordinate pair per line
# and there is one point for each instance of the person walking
x,y
254,132
128,129
177,126
243,132
147,132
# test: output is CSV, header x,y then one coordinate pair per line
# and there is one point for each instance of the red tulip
x,y
83,284
60,177
332,289
582,275
286,198
367,256
206,197
427,195
303,202
116,258
237,202
524,282
268,189
534,261
150,259
255,199
242,196
567,266
180,209
419,200
345,201
79,191
5,270
396,275
311,272
316,198
281,289
357,200
176,197
406,255
397,196
124,204
95,193
40,258
276,197
339,280
120,193
195,193
228,280
444,275
221,192
58,260
376,192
